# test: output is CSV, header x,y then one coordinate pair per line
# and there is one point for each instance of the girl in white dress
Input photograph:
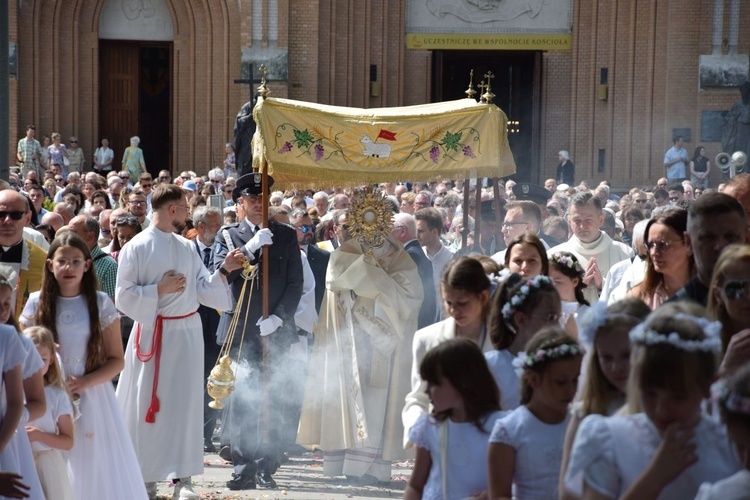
x,y
606,368
520,308
33,391
526,446
452,441
11,397
53,433
666,447
86,326
734,403
567,275
465,290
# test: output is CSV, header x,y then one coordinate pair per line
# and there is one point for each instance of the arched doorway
x,y
60,80
135,78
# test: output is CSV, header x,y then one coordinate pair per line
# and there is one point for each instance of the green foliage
x,y
48,205
452,141
303,138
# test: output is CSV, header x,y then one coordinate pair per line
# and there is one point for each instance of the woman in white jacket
x,y
465,289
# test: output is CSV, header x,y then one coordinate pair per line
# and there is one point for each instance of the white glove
x,y
269,325
262,237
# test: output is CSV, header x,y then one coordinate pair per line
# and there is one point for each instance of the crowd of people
x,y
518,341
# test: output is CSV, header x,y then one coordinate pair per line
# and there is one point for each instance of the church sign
x,y
489,24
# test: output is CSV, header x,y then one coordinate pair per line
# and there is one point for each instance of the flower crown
x,y
712,329
732,401
562,259
527,360
518,298
595,318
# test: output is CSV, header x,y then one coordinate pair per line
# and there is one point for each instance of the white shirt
x,y
539,449
734,487
611,453
501,367
465,460
439,261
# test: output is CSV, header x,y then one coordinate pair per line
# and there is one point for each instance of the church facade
x,y
610,82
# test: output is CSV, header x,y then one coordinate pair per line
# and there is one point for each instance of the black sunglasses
x,y
15,215
127,219
307,228
736,289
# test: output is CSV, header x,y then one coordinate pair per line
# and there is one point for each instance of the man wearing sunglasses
x,y
254,457
676,193
317,257
164,177
20,261
715,220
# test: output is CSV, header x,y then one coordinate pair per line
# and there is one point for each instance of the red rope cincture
x,y
155,354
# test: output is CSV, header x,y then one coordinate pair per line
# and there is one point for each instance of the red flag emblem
x,y
387,135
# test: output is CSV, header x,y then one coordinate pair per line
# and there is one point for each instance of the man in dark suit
x,y
254,448
405,230
317,257
207,222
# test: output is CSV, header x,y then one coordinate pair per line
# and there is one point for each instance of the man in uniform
x,y
253,446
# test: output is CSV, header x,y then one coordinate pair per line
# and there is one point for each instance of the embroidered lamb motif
x,y
373,149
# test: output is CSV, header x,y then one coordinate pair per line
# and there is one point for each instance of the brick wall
x,y
651,50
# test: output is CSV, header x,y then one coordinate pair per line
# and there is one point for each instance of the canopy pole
x,y
478,217
496,192
263,90
465,230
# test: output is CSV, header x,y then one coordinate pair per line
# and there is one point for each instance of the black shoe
x,y
265,480
240,482
226,453
208,447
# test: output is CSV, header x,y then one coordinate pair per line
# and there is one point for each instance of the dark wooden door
x,y
118,103
516,87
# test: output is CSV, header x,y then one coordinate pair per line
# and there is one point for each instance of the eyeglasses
x,y
137,202
641,201
511,224
187,178
14,214
674,198
58,179
736,289
146,186
74,142
345,227
124,177
127,219
229,190
215,182
661,246
71,263
307,228
165,178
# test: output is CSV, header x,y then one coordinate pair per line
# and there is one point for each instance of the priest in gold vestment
x,y
361,361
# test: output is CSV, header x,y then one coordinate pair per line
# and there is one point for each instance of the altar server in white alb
x,y
161,281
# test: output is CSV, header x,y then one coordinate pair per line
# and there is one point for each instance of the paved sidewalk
x,y
301,478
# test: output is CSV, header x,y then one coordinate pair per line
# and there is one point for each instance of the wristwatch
x,y
224,271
